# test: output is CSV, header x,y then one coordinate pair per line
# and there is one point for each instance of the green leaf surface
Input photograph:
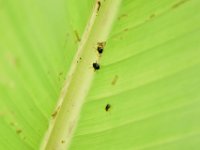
x,y
149,73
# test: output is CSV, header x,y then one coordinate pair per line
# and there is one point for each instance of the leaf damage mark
x,y
54,114
78,39
60,76
179,4
71,127
126,29
152,16
13,123
99,6
63,141
18,131
15,127
122,16
61,73
79,60
115,79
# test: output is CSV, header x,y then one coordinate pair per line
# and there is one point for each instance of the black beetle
x,y
96,66
100,50
107,107
100,47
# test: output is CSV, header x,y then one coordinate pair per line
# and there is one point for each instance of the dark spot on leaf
x,y
54,114
152,16
63,141
19,131
78,60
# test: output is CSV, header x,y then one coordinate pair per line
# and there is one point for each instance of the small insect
x,y
100,50
96,66
100,47
107,107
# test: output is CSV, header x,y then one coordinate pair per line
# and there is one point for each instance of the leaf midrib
x,y
79,78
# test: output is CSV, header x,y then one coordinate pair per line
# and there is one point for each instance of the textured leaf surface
x,y
149,74
37,42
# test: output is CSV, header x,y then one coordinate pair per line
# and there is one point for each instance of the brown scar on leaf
x,y
77,36
99,6
54,114
114,81
179,3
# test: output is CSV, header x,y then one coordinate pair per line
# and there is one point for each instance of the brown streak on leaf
x,y
179,3
77,36
99,6
122,16
114,81
54,114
